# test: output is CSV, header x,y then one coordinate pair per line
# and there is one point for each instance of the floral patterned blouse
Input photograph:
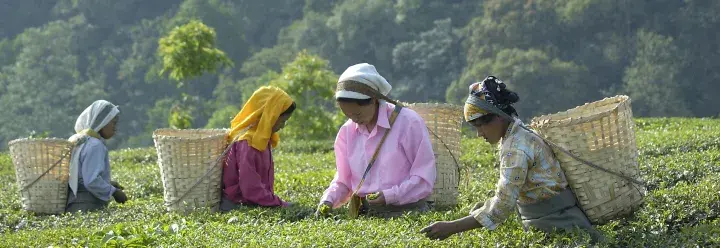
x,y
529,173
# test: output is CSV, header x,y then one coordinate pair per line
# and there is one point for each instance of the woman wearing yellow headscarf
x,y
249,174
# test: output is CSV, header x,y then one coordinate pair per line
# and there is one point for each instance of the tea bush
x,y
679,158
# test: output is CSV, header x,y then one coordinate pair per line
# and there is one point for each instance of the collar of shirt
x,y
512,128
382,120
101,139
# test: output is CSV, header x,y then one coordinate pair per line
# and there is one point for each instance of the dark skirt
x,y
227,205
84,201
392,211
560,212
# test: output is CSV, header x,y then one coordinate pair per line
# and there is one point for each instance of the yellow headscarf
x,y
259,114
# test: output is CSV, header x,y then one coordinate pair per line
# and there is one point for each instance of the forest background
x,y
56,57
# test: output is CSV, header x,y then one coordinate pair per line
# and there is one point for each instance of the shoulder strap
x,y
393,116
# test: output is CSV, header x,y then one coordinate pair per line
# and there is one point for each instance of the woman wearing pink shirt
x,y
403,172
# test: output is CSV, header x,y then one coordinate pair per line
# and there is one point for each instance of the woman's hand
x,y
440,230
443,229
120,196
376,198
323,209
116,185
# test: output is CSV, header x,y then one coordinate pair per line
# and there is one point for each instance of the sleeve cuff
x,y
326,198
332,205
110,195
390,197
483,219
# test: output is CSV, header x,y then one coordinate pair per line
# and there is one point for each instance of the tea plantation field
x,y
680,159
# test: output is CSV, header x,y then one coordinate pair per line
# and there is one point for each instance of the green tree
x,y
137,78
220,15
8,49
311,84
590,35
43,89
189,51
695,32
158,115
428,65
268,59
222,117
653,81
232,95
264,19
545,85
311,33
110,14
319,6
417,15
258,70
366,32
16,16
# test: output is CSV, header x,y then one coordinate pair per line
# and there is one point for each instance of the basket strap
x,y
457,164
211,169
49,169
584,161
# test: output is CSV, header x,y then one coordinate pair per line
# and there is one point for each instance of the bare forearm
x,y
443,229
466,223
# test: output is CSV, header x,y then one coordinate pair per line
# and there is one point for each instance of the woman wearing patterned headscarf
x,y
90,184
384,158
530,176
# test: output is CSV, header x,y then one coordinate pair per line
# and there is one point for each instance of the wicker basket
x,y
602,133
42,169
444,121
190,166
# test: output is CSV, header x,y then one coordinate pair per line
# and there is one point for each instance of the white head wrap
x,y
363,73
94,118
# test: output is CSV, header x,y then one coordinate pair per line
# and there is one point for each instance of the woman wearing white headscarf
x,y
387,172
90,184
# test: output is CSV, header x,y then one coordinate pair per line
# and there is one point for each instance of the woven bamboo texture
x,y
187,160
444,121
42,170
600,132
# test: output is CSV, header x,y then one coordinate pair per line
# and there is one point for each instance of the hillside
x,y
58,56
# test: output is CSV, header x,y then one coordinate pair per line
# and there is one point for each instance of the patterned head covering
x,y
486,97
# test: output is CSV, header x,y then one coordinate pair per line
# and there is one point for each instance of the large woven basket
x,y
602,133
42,172
444,122
190,163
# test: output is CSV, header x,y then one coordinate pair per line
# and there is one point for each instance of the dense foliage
x,y
680,159
56,57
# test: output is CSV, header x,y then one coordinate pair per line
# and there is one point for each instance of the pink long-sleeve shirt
x,y
405,167
249,175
